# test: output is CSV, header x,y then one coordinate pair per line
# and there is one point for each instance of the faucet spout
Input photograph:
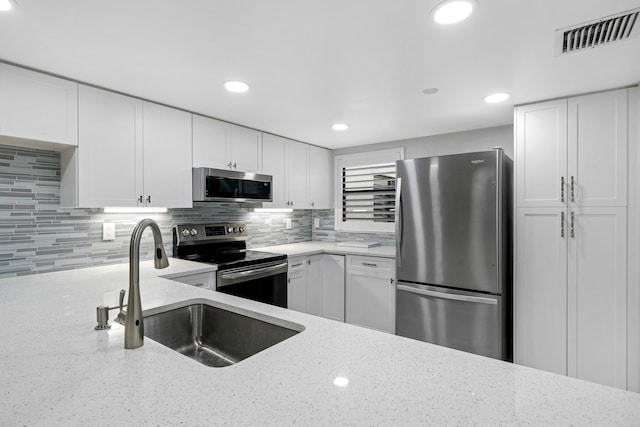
x,y
133,325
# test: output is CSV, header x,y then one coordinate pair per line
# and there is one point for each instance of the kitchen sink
x,y
215,336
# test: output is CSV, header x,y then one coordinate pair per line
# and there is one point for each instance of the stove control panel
x,y
201,232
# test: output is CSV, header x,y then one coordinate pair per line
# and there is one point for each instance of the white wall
x,y
450,143
633,292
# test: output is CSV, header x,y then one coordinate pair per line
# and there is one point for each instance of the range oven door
x,y
264,282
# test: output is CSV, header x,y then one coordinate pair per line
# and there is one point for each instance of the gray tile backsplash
x,y
37,235
327,233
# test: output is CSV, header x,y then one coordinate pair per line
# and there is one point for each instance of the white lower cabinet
x,y
333,284
370,299
316,285
571,287
297,284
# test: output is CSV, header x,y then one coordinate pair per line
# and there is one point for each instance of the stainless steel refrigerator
x,y
454,251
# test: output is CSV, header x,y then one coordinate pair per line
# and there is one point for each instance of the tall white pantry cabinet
x,y
571,237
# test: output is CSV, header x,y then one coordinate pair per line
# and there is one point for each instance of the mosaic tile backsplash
x,y
37,235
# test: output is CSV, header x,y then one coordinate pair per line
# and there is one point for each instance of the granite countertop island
x,y
57,370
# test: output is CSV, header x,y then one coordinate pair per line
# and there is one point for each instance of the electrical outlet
x,y
108,231
288,222
316,222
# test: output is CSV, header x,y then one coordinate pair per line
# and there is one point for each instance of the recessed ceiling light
x,y
452,11
5,5
430,91
496,97
236,86
341,381
340,126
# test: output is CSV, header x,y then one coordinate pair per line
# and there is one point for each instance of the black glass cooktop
x,y
226,260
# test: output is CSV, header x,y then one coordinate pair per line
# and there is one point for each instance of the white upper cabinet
x,y
167,156
541,154
573,152
297,172
245,149
597,136
131,154
273,163
38,107
109,159
221,145
210,143
287,162
320,178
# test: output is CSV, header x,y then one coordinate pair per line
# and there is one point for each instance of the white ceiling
x,y
314,63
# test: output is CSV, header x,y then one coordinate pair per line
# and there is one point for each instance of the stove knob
x,y
229,230
185,233
194,231
235,229
242,229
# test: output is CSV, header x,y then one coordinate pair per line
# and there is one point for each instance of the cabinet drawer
x,y
297,264
373,264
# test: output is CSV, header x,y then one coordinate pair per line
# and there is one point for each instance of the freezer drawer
x,y
461,320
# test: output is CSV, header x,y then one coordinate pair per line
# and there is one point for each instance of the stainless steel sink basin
x,y
215,336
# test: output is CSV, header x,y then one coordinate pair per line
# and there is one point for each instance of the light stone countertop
x,y
317,247
55,369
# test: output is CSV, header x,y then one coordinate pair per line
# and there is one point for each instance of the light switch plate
x,y
108,231
316,222
288,222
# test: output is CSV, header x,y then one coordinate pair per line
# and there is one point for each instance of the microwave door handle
x,y
445,295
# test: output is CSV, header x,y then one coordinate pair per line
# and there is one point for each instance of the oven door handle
x,y
257,273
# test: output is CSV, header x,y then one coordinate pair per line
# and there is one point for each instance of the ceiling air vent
x,y
599,32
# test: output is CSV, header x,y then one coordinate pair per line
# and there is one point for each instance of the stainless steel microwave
x,y
220,185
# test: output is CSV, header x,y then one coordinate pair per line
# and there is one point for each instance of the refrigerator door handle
x,y
444,295
398,222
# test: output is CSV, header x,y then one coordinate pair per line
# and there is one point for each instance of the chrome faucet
x,y
133,324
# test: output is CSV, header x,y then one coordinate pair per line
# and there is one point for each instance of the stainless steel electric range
x,y
259,276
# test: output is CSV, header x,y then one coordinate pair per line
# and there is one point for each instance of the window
x,y
366,191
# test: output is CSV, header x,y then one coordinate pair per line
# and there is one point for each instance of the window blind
x,y
369,192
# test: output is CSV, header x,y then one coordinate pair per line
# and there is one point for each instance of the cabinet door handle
x,y
573,194
562,189
313,203
573,220
229,165
140,199
562,224
149,199
235,165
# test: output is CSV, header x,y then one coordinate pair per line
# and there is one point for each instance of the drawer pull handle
x,y
369,264
298,264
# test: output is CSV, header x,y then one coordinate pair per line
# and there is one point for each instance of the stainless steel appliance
x,y
454,251
259,276
220,185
